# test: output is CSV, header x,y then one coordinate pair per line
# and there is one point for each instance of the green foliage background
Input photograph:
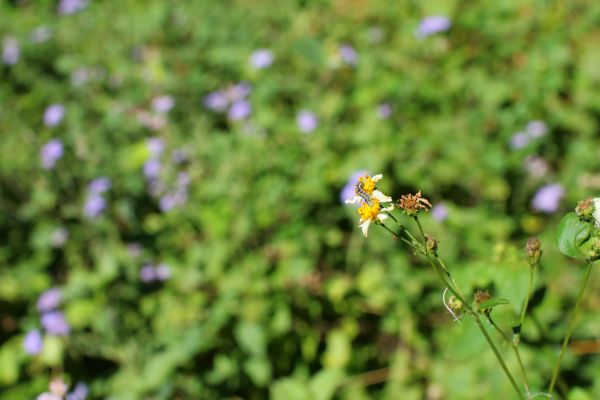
x,y
275,293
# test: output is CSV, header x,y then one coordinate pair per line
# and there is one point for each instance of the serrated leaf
x,y
572,233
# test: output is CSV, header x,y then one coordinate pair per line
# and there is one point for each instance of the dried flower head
x,y
533,248
481,296
411,204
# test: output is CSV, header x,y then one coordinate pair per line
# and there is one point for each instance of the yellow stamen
x,y
368,185
369,211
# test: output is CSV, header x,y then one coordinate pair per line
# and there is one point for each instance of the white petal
x,y
596,213
353,200
381,217
381,197
365,227
377,177
390,208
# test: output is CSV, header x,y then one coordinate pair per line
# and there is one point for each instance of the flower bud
x,y
585,209
454,303
533,248
430,243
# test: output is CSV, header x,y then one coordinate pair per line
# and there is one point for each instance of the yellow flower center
x,y
369,211
368,185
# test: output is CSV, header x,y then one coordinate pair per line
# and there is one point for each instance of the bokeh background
x,y
171,185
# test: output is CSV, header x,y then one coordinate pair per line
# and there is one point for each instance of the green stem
x,y
515,350
570,326
397,235
529,289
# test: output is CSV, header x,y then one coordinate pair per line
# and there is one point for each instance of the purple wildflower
x,y
10,51
519,140
307,121
183,180
94,205
147,273
238,92
348,191
261,58
348,54
99,185
55,323
54,114
51,152
439,212
167,202
239,110
216,101
163,104
431,25
547,198
67,7
33,342
163,272
152,169
155,146
49,300
80,392
536,129
384,110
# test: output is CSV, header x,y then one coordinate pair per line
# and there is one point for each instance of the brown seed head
x,y
411,204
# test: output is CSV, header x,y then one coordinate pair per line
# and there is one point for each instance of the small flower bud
x,y
593,253
585,209
480,298
430,243
533,248
454,303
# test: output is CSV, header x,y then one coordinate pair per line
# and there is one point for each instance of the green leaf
x,y
493,303
572,233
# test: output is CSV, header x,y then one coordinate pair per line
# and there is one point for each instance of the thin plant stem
x,y
529,289
438,267
570,326
515,350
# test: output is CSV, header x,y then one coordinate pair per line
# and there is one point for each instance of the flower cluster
x,y
533,130
370,199
52,320
155,273
95,202
231,99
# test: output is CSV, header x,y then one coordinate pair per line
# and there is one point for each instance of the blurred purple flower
x,y
152,169
239,110
348,191
439,212
167,202
431,25
156,188
307,121
348,54
10,51
59,237
163,272
51,152
49,300
155,146
54,114
147,274
94,205
547,198
66,7
238,92
163,104
33,342
216,101
261,58
536,167
536,129
80,392
55,323
40,34
519,140
384,110
183,180
99,185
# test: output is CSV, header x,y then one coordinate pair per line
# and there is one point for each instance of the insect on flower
x,y
365,190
